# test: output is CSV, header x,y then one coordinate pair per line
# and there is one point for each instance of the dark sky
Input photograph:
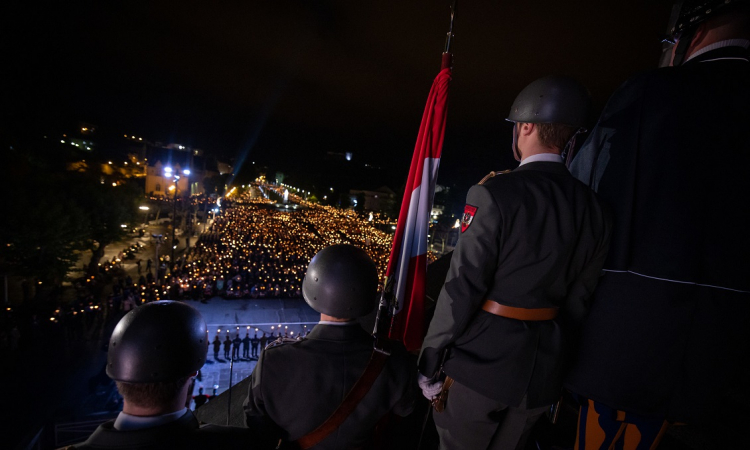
x,y
289,80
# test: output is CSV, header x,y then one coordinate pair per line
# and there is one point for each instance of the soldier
x,y
227,347
217,347
156,383
530,252
668,327
341,283
254,343
236,347
263,341
200,399
246,346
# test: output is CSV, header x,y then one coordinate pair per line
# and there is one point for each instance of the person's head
x,y
154,353
341,283
697,24
547,114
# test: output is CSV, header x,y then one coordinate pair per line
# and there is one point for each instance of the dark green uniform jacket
x,y
184,433
298,385
533,238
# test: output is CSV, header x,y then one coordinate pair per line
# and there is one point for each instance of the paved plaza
x,y
230,317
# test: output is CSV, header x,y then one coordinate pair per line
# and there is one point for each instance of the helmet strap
x,y
516,150
569,150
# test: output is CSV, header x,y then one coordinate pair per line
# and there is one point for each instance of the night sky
x,y
287,81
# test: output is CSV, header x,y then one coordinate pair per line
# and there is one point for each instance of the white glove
x,y
430,388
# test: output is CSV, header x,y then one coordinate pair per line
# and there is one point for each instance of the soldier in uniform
x,y
530,252
200,399
217,347
263,341
156,383
227,347
254,344
668,329
298,384
236,343
246,346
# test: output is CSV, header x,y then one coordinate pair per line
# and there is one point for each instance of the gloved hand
x,y
430,387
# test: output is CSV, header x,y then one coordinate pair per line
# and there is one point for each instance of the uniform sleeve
x,y
580,292
256,417
591,161
473,266
405,405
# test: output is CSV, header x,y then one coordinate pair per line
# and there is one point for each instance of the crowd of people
x,y
254,250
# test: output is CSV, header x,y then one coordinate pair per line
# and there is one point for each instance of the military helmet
x,y
552,99
341,281
159,341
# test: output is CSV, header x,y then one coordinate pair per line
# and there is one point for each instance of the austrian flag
x,y
405,275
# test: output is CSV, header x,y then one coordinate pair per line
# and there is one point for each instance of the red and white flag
x,y
405,275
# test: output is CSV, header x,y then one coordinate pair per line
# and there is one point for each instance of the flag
x,y
407,265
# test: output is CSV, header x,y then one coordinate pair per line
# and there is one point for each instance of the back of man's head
x,y
153,352
696,24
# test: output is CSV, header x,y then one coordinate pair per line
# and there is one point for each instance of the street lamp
x,y
169,173
145,214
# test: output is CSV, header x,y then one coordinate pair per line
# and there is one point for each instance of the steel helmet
x,y
341,281
159,341
552,99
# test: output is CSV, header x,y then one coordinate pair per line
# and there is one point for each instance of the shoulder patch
x,y
493,174
283,341
468,217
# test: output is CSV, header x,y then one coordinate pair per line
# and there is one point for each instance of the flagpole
x,y
388,302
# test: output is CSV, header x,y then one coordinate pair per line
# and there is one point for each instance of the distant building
x,y
380,199
179,159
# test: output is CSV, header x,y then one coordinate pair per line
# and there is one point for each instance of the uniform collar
x,y
338,324
127,422
731,49
106,436
337,333
547,157
543,166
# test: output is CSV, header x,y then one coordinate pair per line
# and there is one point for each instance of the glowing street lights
x,y
169,173
145,214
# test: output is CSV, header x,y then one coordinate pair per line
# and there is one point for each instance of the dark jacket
x,y
184,433
670,321
299,384
537,239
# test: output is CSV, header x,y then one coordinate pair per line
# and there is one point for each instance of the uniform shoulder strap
x,y
352,399
493,174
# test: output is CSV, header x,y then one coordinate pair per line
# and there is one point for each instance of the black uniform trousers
x,y
487,423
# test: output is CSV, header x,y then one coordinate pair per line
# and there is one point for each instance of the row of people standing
x,y
249,346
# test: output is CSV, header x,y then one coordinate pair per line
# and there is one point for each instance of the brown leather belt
x,y
513,312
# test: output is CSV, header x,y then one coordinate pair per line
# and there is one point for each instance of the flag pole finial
x,y
447,56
